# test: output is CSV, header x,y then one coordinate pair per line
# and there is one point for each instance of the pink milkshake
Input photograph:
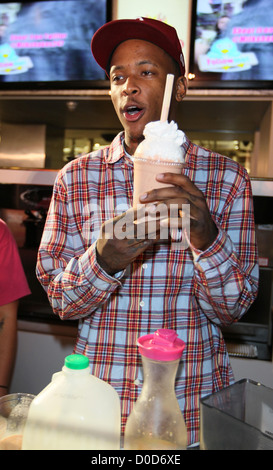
x,y
160,152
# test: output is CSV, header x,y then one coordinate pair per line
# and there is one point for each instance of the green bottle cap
x,y
76,361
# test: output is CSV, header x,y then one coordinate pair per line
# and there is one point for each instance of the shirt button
x,y
145,266
142,303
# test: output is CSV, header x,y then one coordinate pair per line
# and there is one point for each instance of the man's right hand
x,y
122,240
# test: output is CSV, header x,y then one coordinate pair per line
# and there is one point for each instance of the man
x,y
122,288
13,286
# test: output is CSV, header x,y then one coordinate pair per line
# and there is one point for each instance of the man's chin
x,y
134,136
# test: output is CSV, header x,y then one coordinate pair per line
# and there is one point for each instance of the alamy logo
x,y
140,223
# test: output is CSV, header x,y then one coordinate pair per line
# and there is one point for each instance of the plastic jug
x,y
156,421
76,411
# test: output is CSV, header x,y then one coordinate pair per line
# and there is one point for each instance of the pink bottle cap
x,y
163,345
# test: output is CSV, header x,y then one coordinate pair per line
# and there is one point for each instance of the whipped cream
x,y
163,141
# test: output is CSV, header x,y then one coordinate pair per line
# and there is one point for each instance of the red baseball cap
x,y
111,34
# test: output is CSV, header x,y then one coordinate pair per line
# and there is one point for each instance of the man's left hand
x,y
182,190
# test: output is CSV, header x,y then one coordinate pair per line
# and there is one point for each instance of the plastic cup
x,y
13,414
145,171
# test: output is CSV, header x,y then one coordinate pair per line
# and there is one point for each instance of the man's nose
x,y
131,87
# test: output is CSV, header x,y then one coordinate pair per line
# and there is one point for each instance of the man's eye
x,y
147,72
117,78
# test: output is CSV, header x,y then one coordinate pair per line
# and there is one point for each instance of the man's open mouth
x,y
133,113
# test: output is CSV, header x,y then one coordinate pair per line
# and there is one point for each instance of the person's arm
x,y
225,284
226,274
225,260
67,265
79,273
8,344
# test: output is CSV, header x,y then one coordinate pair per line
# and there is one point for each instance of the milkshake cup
x,y
161,151
145,171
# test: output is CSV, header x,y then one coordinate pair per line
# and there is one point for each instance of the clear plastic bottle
x,y
156,421
76,411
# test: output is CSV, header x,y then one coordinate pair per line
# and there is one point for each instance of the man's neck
x,y
130,145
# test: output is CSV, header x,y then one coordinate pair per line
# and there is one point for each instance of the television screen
x,y
47,42
232,44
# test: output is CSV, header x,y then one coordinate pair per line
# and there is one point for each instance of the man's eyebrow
x,y
114,68
148,62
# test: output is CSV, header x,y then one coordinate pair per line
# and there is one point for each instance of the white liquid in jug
x,y
76,411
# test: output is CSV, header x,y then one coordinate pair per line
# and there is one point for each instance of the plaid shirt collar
x,y
116,150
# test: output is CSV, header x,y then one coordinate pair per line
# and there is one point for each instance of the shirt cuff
x,y
218,253
97,277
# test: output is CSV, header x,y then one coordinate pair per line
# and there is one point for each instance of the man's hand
x,y
122,240
203,230
125,237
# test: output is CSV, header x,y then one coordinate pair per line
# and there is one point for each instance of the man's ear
x,y
181,88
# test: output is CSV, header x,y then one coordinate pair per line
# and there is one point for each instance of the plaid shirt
x,y
191,292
